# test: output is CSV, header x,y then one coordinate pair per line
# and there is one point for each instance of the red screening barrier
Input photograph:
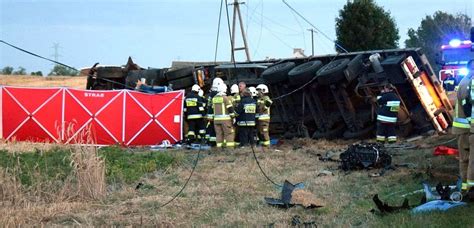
x,y
62,115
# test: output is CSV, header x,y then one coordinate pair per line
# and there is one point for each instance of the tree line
x,y
57,70
363,25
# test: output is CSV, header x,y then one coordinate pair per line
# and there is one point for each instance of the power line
x,y
218,30
307,21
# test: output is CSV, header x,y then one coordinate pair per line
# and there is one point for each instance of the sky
x,y
156,32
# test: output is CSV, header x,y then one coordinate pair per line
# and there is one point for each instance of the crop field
x,y
78,82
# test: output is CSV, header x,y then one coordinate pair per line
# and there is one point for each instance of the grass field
x,y
227,188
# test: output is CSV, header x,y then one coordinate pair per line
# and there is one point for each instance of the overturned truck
x,y
331,96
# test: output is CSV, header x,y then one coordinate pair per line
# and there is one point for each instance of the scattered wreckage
x,y
330,96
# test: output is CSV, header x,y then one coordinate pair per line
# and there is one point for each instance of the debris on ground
x,y
445,150
385,208
437,205
292,195
325,173
296,221
365,156
305,198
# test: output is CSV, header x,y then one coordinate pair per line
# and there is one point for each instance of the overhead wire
x,y
218,31
317,29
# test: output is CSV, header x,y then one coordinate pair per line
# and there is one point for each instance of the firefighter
x,y
449,82
263,115
210,130
387,114
242,87
246,111
234,90
222,117
194,107
253,92
463,127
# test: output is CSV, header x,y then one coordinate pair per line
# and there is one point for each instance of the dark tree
x,y
437,30
62,70
8,70
363,25
20,71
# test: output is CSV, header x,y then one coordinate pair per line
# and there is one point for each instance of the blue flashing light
x,y
463,71
455,43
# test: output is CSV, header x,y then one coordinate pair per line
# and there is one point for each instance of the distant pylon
x,y
56,54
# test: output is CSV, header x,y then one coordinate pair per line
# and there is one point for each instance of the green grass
x,y
36,167
126,167
55,164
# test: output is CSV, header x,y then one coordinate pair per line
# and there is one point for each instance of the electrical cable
x,y
261,169
218,31
230,34
39,56
185,183
307,21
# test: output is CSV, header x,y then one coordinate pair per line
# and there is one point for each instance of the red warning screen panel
x,y
65,115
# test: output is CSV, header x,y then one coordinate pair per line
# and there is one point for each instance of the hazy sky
x,y
156,32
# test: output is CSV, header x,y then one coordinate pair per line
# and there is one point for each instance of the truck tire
x,y
182,83
277,73
179,73
332,72
303,73
354,68
110,72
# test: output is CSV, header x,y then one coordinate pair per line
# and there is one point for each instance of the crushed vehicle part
x,y
437,205
385,208
364,156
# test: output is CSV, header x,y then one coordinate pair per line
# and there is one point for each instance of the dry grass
x,y
43,201
78,82
227,189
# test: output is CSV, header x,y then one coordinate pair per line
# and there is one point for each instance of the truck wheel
x,y
304,73
354,68
179,73
277,73
332,72
364,133
182,83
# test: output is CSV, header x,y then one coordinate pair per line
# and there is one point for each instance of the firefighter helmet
x,y
201,92
253,91
195,88
222,88
217,82
234,89
263,88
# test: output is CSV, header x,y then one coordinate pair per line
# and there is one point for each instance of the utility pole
x,y
312,40
56,54
236,5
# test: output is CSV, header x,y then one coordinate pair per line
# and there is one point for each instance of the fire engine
x,y
454,58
